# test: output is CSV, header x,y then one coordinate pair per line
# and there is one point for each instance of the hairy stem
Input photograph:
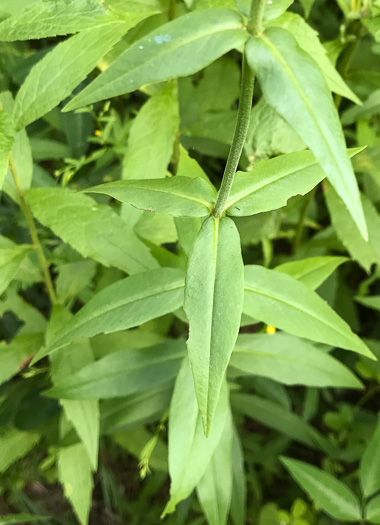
x,y
33,233
244,113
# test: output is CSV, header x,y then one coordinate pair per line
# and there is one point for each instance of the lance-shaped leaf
x,y
273,182
7,137
213,305
60,71
331,495
279,300
122,305
289,360
123,373
48,19
177,196
312,271
190,452
294,86
94,231
180,48
372,511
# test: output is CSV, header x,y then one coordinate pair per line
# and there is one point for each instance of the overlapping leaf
x,y
293,85
279,300
124,304
180,48
177,196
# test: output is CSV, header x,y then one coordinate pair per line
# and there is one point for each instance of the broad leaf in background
x,y
11,260
180,48
48,19
293,84
213,304
289,360
215,488
177,196
327,492
366,253
83,414
74,471
239,482
273,182
370,465
123,373
94,231
273,415
15,444
150,141
281,301
60,71
124,304
16,354
370,302
308,41
312,271
6,143
190,452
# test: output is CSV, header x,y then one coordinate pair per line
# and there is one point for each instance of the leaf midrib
x,y
115,307
302,95
304,311
166,51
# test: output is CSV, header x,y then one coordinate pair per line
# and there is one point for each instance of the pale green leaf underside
x,y
213,305
327,492
279,300
177,196
372,512
122,305
312,271
123,373
180,48
273,182
93,230
289,360
308,40
294,86
49,19
60,71
190,451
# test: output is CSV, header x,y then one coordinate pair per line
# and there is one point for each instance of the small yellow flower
x,y
97,133
270,329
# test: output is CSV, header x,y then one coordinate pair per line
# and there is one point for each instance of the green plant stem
x,y
33,233
244,112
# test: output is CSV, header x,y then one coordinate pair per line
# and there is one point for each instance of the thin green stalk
x,y
244,112
33,232
301,222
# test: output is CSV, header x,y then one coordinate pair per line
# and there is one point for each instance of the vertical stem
x,y
301,222
244,113
33,233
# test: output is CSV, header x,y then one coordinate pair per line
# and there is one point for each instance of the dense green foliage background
x,y
99,421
